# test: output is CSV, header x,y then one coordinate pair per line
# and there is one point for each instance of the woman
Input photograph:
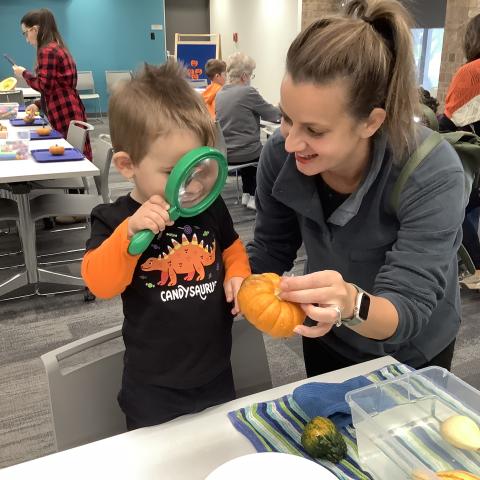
x,y
378,281
239,107
55,73
462,112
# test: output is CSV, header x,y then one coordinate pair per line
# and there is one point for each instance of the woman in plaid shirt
x,y
55,74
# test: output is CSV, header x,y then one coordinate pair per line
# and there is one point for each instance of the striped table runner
x,y
277,425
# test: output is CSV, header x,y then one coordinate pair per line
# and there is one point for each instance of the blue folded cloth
x,y
320,399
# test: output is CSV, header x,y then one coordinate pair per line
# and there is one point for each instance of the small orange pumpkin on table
x,y
56,150
44,131
258,301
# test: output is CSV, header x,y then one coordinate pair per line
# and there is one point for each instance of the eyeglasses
x,y
24,32
252,76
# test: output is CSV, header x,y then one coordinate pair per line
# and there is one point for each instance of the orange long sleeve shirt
x,y
108,269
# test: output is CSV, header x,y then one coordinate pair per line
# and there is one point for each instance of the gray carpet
x,y
29,327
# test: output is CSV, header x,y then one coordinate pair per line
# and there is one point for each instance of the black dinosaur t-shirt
x,y
177,327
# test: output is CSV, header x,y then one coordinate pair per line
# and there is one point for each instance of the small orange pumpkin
x,y
258,301
43,131
56,150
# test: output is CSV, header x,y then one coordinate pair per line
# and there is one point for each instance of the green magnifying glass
x,y
193,185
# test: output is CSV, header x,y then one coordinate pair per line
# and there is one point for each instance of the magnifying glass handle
x,y
140,242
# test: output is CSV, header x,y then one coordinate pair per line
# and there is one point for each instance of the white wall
x,y
265,30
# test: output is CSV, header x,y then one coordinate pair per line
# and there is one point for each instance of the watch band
x,y
360,309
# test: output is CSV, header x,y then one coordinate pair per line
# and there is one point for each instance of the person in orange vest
x,y
215,70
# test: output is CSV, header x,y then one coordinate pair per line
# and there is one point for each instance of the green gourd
x,y
321,439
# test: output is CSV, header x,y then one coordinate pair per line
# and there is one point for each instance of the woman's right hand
x,y
152,215
32,109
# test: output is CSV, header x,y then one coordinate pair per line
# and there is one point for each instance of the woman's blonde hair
x,y
369,47
155,101
237,64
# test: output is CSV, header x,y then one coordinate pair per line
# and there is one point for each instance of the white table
x,y
29,92
269,127
187,448
16,173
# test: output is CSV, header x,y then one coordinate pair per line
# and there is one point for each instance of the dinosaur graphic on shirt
x,y
188,257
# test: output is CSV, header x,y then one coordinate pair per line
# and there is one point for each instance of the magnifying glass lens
x,y
199,183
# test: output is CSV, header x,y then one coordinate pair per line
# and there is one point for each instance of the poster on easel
x,y
194,54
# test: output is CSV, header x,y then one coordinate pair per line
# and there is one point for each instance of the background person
x,y
55,75
216,73
239,108
387,278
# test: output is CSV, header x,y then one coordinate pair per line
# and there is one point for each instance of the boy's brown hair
x,y
214,66
155,101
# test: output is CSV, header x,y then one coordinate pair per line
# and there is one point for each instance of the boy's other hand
x,y
231,287
152,215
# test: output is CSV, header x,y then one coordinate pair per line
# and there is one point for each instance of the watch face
x,y
364,307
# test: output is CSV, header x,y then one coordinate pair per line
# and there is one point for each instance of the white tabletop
x,y
187,448
12,171
29,92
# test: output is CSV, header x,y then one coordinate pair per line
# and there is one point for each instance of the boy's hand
x,y
231,287
152,215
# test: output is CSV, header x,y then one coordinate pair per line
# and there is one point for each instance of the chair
x,y
102,160
13,96
112,77
86,84
83,401
221,145
201,83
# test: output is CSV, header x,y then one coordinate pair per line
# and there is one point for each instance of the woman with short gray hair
x,y
239,107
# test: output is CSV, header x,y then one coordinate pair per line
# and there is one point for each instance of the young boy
x,y
177,327
215,70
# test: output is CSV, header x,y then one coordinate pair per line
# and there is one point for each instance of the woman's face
x,y
30,34
319,129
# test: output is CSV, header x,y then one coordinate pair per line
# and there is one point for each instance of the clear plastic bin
x,y
397,424
8,111
15,145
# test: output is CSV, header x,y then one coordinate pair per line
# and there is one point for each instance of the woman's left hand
x,y
318,293
18,70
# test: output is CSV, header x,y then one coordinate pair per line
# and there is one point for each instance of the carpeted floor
x,y
29,327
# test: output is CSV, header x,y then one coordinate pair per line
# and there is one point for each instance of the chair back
x,y
77,134
85,81
12,96
220,143
102,160
201,83
83,400
113,77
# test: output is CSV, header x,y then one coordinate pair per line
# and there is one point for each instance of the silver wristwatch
x,y
360,309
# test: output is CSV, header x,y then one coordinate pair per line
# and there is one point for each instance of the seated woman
x,y
239,107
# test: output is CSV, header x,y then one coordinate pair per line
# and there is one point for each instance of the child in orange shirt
x,y
216,71
176,295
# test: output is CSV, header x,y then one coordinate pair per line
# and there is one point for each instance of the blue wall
x,y
100,34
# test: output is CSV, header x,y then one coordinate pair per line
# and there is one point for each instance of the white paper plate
x,y
280,466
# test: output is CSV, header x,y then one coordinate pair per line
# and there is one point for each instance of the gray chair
x,y
102,160
83,400
221,145
112,77
13,96
86,90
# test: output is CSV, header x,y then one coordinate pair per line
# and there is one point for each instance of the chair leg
x,y
238,187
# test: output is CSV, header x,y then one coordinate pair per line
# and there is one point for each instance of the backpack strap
x,y
425,148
